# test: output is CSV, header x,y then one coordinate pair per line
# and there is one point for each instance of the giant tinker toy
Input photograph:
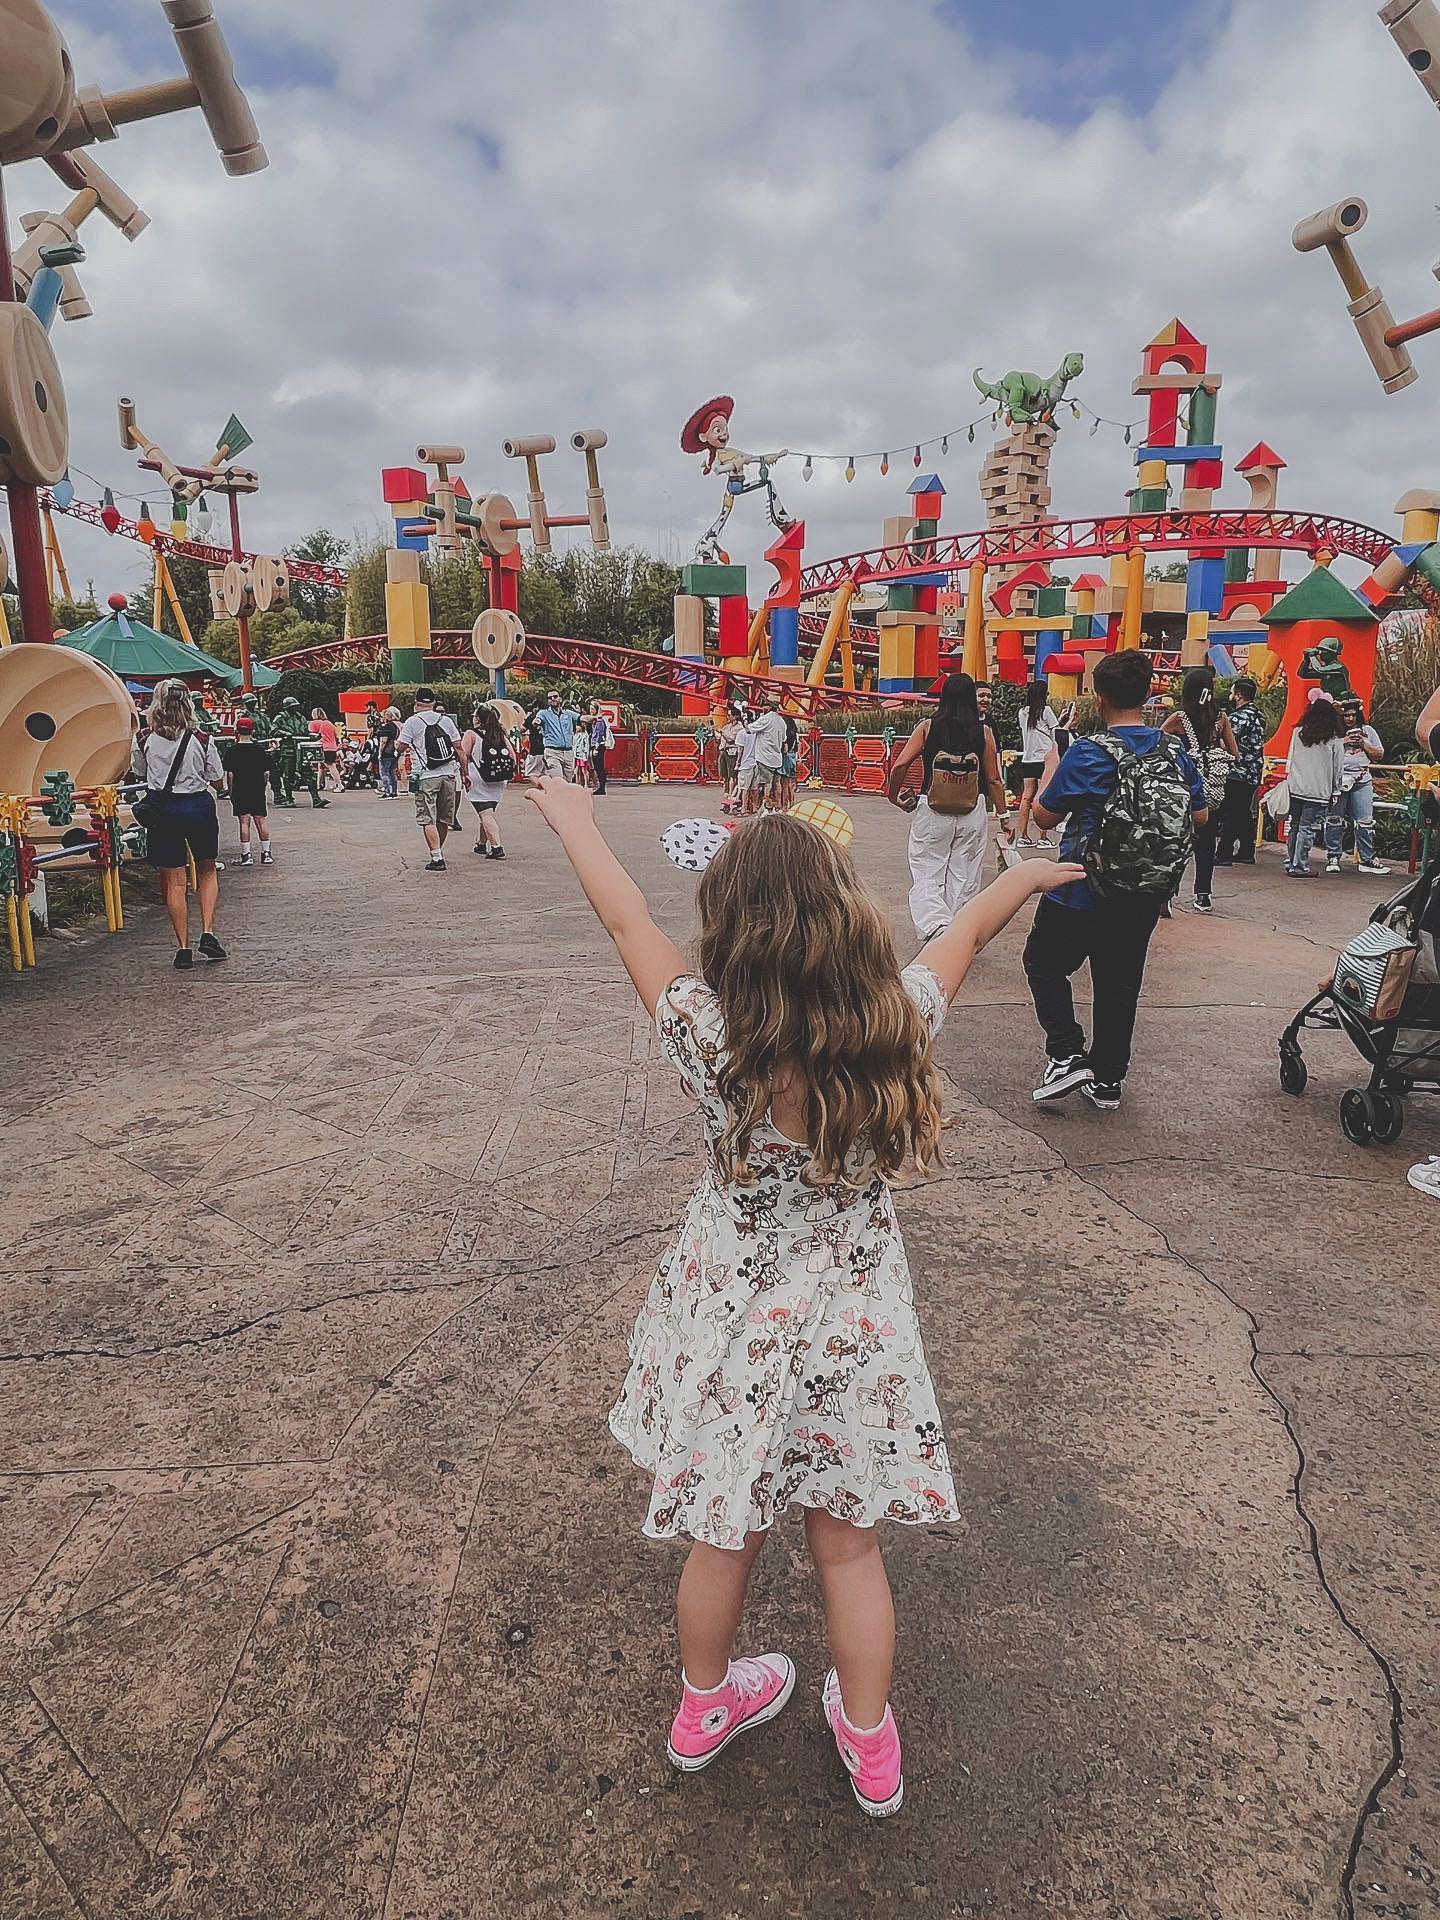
x,y
44,116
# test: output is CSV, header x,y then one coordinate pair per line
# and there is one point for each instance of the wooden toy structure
x,y
443,514
1414,26
246,583
44,115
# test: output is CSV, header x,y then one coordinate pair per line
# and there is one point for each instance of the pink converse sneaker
x,y
753,1692
873,1758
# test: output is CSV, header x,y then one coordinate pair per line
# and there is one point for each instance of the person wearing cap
x,y
434,743
248,765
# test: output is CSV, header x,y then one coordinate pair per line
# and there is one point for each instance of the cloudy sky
x,y
484,219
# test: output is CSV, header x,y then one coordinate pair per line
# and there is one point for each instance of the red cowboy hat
x,y
721,407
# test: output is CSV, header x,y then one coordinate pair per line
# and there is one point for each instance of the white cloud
x,y
832,210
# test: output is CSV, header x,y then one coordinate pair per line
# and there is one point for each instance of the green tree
x,y
324,605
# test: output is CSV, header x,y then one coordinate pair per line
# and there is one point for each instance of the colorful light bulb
x,y
63,491
884,463
109,513
808,469
145,526
850,468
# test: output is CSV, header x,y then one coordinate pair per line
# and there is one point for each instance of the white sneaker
x,y
1332,866
1426,1177
267,858
1372,866
1062,1077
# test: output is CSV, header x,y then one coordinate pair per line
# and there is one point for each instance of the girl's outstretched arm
x,y
651,958
950,954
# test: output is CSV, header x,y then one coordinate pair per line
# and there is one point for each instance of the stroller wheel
x,y
1389,1118
1355,1117
1294,1074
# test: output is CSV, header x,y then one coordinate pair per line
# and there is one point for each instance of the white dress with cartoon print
x,y
777,1360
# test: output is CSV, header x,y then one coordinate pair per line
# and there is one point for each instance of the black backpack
x,y
497,764
439,747
1146,832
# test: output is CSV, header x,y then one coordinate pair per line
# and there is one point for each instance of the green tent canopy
x,y
138,652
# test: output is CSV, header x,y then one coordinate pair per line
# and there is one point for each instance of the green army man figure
x,y
1323,663
297,753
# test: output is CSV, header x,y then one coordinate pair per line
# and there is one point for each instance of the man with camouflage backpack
x,y
1131,798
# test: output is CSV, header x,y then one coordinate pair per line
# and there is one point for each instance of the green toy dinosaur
x,y
1027,398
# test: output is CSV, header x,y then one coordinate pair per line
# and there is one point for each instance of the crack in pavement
x,y
507,1269
1396,1759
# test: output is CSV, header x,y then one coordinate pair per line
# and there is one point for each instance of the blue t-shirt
x,y
1084,781
558,729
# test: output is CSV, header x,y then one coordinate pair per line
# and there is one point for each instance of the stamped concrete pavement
x,y
321,1580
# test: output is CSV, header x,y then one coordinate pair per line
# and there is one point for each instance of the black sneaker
x,y
184,959
435,866
496,853
211,947
1223,863
1062,1077
1203,903
1103,1095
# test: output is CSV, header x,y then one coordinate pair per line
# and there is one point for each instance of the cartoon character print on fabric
x,y
930,1447
882,1460
762,1495
682,1361
863,1342
680,1489
718,1530
824,1393
846,1505
763,1395
887,1403
732,1446
717,1399
771,1329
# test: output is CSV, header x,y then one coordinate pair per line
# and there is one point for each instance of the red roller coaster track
x,y
1051,541
1060,540
166,543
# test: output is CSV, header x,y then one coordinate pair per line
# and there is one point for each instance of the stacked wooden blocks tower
x,y
1176,363
782,603
1015,487
908,625
1252,580
407,598
699,582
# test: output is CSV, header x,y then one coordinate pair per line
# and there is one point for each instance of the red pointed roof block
x,y
1089,583
1259,456
1177,334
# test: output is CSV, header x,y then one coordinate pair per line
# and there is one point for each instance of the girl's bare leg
x,y
859,1612
708,1608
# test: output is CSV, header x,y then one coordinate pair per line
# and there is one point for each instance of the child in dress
x,y
777,1360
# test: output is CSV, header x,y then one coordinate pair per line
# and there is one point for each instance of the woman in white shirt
x,y
185,807
1038,726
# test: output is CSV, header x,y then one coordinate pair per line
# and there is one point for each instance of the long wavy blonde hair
x,y
802,963
172,710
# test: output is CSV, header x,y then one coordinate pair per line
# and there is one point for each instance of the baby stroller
x,y
1385,997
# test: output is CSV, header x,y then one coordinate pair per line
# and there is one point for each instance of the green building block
x,y
1049,600
925,530
900,599
1237,563
711,582
407,666
1150,500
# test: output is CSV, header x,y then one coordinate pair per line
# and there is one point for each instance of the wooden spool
x,y
236,591
512,715
497,538
498,639
34,422
37,87
270,583
60,712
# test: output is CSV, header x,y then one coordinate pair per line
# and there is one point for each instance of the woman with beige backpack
x,y
950,829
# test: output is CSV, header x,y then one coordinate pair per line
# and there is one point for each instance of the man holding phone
x,y
1356,800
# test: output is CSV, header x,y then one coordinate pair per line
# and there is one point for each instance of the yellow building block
x,y
897,652
1196,649
407,614
1151,473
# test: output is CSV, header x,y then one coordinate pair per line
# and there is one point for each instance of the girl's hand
x,y
561,804
1046,875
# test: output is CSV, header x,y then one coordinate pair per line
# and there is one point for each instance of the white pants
x,y
947,864
560,763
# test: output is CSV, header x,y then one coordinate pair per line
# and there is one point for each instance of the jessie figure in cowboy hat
x,y
708,431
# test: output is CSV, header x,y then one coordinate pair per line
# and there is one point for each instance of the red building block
x,y
734,630
1206,473
401,484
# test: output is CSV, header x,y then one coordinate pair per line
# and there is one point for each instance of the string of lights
x,y
887,455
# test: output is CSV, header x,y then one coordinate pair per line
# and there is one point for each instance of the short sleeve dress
x,y
777,1360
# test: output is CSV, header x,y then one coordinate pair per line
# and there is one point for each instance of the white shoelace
x,y
750,1677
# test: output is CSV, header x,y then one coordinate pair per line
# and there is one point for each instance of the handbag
x,y
1214,763
954,783
148,811
1374,971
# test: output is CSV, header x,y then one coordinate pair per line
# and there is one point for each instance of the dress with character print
x,y
777,1360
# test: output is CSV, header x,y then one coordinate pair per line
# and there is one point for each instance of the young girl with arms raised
x,y
777,1360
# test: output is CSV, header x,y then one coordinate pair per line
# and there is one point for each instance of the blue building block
x,y
927,580
926,483
1221,661
1176,456
413,536
1205,586
1411,552
1051,642
894,686
784,636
